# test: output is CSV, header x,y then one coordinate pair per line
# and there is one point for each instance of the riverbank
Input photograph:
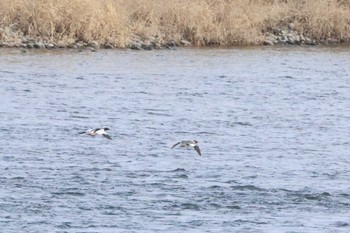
x,y
157,24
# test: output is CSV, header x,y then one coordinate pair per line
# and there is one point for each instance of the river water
x,y
273,125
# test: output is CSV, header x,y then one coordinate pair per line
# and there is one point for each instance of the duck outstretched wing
x,y
197,149
107,136
175,145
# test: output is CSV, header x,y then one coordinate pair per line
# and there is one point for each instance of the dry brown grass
x,y
202,22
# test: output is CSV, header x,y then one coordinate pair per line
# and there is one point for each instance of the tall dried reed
x,y
203,22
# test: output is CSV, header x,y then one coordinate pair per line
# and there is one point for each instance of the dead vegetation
x,y
201,22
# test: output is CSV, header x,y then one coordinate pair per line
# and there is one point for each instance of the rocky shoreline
x,y
278,36
275,36
31,43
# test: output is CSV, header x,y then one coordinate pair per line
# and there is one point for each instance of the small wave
x,y
92,169
111,213
287,77
182,176
112,210
207,133
241,123
71,193
249,221
233,207
345,195
181,132
142,92
80,117
65,225
158,114
85,208
18,178
341,224
231,182
215,205
190,206
301,197
247,187
111,207
6,72
178,170
316,196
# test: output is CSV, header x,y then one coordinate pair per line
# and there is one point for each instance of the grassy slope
x,y
202,22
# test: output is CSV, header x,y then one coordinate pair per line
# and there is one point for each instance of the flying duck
x,y
98,131
188,144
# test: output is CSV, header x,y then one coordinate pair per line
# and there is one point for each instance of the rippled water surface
x,y
273,125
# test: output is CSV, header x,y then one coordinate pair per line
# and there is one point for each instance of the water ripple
x,y
272,123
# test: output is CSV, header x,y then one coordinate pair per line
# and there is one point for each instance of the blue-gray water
x,y
272,124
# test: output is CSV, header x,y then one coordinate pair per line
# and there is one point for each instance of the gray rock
x,y
61,44
291,26
79,45
282,39
268,42
39,45
94,44
277,31
136,45
26,40
50,46
293,38
170,47
332,41
314,42
92,49
10,44
108,46
30,45
284,32
308,41
270,39
72,46
153,39
341,224
171,44
158,45
290,40
148,46
185,42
